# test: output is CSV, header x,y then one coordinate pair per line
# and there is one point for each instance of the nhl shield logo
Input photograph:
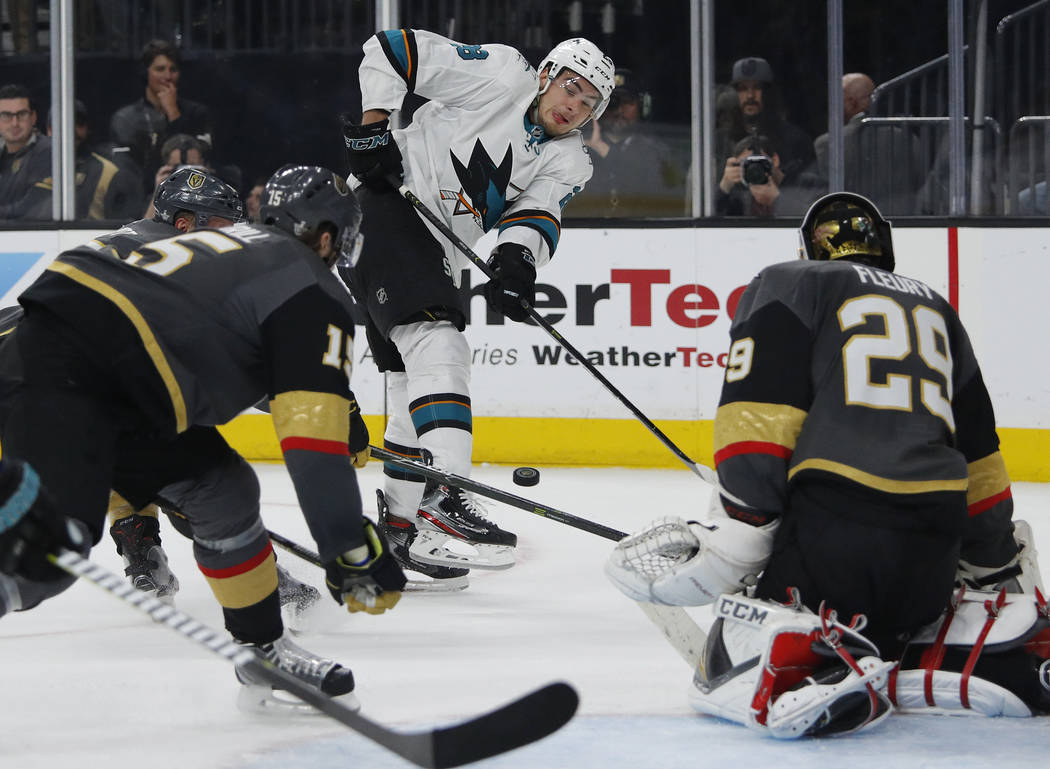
x,y
195,180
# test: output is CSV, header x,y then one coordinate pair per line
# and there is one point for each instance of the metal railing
x,y
1026,166
196,26
1022,54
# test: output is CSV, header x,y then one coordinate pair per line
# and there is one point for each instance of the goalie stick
x,y
680,630
517,723
704,472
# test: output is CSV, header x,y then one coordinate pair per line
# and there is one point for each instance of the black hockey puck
x,y
526,476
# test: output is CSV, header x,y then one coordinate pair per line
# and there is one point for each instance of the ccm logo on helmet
x,y
741,611
368,142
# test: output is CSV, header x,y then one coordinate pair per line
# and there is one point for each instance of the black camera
x,y
757,169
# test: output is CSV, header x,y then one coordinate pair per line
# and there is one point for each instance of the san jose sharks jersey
x,y
846,370
471,153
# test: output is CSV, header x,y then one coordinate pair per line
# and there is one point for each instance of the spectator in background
x,y
635,173
753,183
25,153
882,162
144,125
761,114
104,189
253,200
179,151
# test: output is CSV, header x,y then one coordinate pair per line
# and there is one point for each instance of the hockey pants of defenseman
x,y
232,547
429,407
216,494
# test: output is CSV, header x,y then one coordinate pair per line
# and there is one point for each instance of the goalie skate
x,y
328,676
422,577
451,530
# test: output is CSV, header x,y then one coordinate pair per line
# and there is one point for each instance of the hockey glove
x,y
358,440
31,527
514,278
366,578
372,154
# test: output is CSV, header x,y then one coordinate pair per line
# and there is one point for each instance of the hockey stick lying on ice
x,y
704,472
674,622
517,723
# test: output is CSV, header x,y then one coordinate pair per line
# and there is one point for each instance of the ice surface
x,y
86,682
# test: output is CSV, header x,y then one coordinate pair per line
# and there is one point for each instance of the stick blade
x,y
525,720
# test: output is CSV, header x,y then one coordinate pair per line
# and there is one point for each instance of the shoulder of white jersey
x,y
569,157
410,51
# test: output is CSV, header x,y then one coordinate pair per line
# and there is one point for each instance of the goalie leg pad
x,y
788,672
987,655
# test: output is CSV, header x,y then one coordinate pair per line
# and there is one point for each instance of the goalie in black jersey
x,y
859,463
185,334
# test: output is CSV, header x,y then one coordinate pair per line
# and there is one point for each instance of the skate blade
x,y
440,549
261,699
421,584
166,595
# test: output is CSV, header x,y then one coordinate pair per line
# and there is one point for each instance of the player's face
x,y
163,72
16,121
567,104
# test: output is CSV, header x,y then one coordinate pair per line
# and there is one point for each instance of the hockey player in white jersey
x,y
497,146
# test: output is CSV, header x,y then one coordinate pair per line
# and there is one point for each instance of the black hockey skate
x,y
138,540
299,601
458,514
401,533
326,675
452,531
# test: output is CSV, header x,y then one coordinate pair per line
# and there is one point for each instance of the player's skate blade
x,y
421,584
439,549
260,699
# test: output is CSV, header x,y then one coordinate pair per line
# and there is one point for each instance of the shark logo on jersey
x,y
483,190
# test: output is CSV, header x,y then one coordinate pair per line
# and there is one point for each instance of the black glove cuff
x,y
358,438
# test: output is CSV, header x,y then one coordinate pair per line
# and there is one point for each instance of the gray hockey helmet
x,y
198,191
845,225
302,199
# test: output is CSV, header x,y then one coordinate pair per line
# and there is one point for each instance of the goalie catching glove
x,y
372,154
366,578
31,527
513,279
680,563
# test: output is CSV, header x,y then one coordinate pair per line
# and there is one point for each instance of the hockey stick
x,y
431,217
296,549
518,723
499,495
674,622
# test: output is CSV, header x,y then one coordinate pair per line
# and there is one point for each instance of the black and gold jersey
x,y
197,327
849,370
123,241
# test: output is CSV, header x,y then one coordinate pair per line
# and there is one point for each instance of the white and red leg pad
x,y
978,623
788,672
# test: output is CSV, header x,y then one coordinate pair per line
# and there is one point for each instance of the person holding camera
x,y
753,184
636,173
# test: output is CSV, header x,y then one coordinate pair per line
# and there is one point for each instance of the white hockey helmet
x,y
585,59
